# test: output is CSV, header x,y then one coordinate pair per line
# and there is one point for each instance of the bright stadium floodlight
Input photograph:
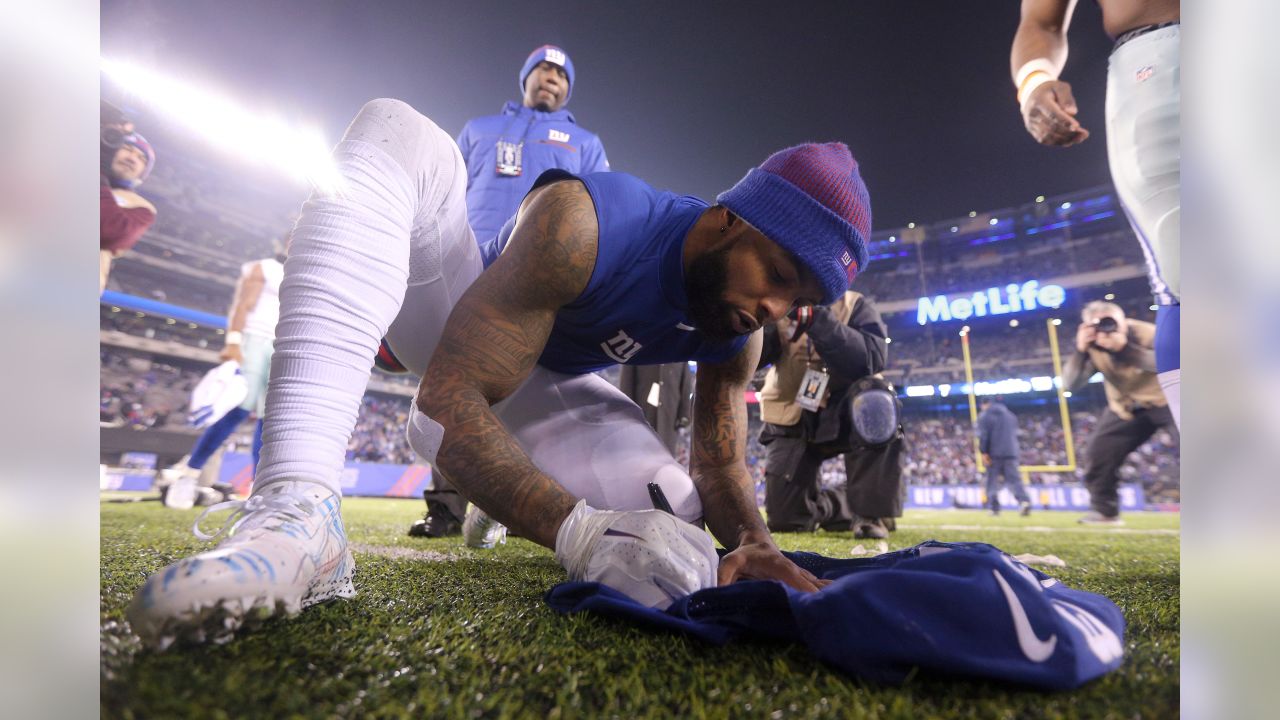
x,y
299,152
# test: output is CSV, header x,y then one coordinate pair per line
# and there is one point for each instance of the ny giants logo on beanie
x,y
811,200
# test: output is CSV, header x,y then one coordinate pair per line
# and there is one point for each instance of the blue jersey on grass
x,y
961,609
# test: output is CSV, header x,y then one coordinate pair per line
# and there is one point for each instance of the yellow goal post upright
x,y
1064,413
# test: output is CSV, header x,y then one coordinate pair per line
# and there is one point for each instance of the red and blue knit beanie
x,y
811,200
139,142
553,55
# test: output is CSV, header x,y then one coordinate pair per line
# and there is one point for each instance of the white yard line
x,y
1043,529
403,553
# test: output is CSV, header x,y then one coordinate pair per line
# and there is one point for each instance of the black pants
x,y
794,500
875,481
1111,443
1004,471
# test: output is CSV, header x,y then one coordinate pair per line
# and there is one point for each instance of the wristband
x,y
234,337
1032,75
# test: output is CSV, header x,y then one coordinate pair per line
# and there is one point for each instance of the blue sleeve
x,y
465,144
984,432
593,157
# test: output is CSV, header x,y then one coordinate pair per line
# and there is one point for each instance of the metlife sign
x,y
1013,298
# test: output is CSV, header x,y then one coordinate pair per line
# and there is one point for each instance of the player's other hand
x,y
986,459
761,560
1085,335
651,556
1050,115
231,352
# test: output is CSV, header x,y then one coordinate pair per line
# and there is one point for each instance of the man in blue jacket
x,y
506,152
998,443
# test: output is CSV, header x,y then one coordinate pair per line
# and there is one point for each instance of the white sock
x,y
344,282
1171,383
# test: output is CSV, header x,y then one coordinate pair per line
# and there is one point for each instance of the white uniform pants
x,y
1144,146
389,253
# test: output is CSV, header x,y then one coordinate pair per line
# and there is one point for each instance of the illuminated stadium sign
x,y
1013,298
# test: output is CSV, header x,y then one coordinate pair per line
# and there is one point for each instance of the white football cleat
x,y
481,531
177,485
286,549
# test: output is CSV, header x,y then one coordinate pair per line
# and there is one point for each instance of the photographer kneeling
x,y
822,358
1122,350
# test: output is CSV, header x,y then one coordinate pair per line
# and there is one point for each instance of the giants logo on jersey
x,y
620,347
558,136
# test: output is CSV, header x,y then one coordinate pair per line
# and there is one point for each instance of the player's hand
x,y
1085,335
986,459
1112,341
1050,115
651,556
761,560
231,352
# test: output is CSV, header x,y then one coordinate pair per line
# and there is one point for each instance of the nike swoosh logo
x,y
1033,647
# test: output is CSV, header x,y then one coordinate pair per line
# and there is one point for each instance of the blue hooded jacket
x,y
550,140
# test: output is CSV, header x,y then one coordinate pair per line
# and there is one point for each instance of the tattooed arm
x,y
490,344
719,472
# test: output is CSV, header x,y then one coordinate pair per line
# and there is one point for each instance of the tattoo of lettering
x,y
489,346
720,446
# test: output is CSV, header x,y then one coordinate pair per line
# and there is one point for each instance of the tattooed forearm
x,y
490,345
719,466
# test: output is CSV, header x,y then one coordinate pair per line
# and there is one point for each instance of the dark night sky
x,y
686,95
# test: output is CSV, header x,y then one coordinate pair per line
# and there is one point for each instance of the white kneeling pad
x,y
651,556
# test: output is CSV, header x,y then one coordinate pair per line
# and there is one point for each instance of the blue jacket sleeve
x,y
466,140
593,157
984,432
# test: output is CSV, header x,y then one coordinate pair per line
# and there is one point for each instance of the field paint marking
x,y
403,553
1043,529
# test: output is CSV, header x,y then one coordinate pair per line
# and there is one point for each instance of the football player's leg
x,y
344,282
590,437
1144,149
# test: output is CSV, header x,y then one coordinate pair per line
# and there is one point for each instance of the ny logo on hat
x,y
846,258
555,55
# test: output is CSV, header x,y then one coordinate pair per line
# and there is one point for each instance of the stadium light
x,y
255,137
911,225
888,340
1065,206
1154,308
954,228
1039,198
1109,296
1057,321
973,213
893,239
994,221
1013,322
1066,393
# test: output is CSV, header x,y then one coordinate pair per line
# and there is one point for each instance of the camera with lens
x,y
1105,324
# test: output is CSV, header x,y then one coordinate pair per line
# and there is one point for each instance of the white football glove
x,y
651,556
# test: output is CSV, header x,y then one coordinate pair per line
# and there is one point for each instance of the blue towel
x,y
961,609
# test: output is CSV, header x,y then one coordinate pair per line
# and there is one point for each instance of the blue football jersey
x,y
960,609
634,309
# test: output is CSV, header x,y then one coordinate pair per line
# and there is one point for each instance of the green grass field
x,y
439,630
